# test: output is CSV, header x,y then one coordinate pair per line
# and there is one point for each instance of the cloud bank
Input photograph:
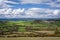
x,y
51,3
29,13
6,10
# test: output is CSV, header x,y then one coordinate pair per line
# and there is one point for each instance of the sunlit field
x,y
30,28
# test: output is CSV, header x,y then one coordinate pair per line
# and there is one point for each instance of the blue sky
x,y
29,8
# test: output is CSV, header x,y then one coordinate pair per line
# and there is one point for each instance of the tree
x,y
5,27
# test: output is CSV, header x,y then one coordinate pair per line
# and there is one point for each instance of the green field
x,y
30,28
32,23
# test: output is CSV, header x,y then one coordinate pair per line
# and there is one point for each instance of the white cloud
x,y
12,2
56,12
51,3
48,2
3,4
35,1
2,0
18,11
29,13
58,0
8,11
41,13
11,13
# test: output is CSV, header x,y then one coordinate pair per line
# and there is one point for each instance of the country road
x,y
32,38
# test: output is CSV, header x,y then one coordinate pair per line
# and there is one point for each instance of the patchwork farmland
x,y
30,28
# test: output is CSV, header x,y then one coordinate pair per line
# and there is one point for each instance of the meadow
x,y
30,28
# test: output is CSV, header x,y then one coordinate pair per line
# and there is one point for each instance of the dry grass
x,y
32,38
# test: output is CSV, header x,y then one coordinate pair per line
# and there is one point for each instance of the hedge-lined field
x,y
8,27
30,23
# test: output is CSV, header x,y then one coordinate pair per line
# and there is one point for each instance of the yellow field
x,y
32,38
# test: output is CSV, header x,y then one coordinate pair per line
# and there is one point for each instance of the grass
x,y
32,38
30,23
21,29
27,23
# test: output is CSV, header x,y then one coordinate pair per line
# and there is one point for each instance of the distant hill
x,y
16,19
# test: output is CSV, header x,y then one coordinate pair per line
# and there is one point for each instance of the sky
x,y
29,9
